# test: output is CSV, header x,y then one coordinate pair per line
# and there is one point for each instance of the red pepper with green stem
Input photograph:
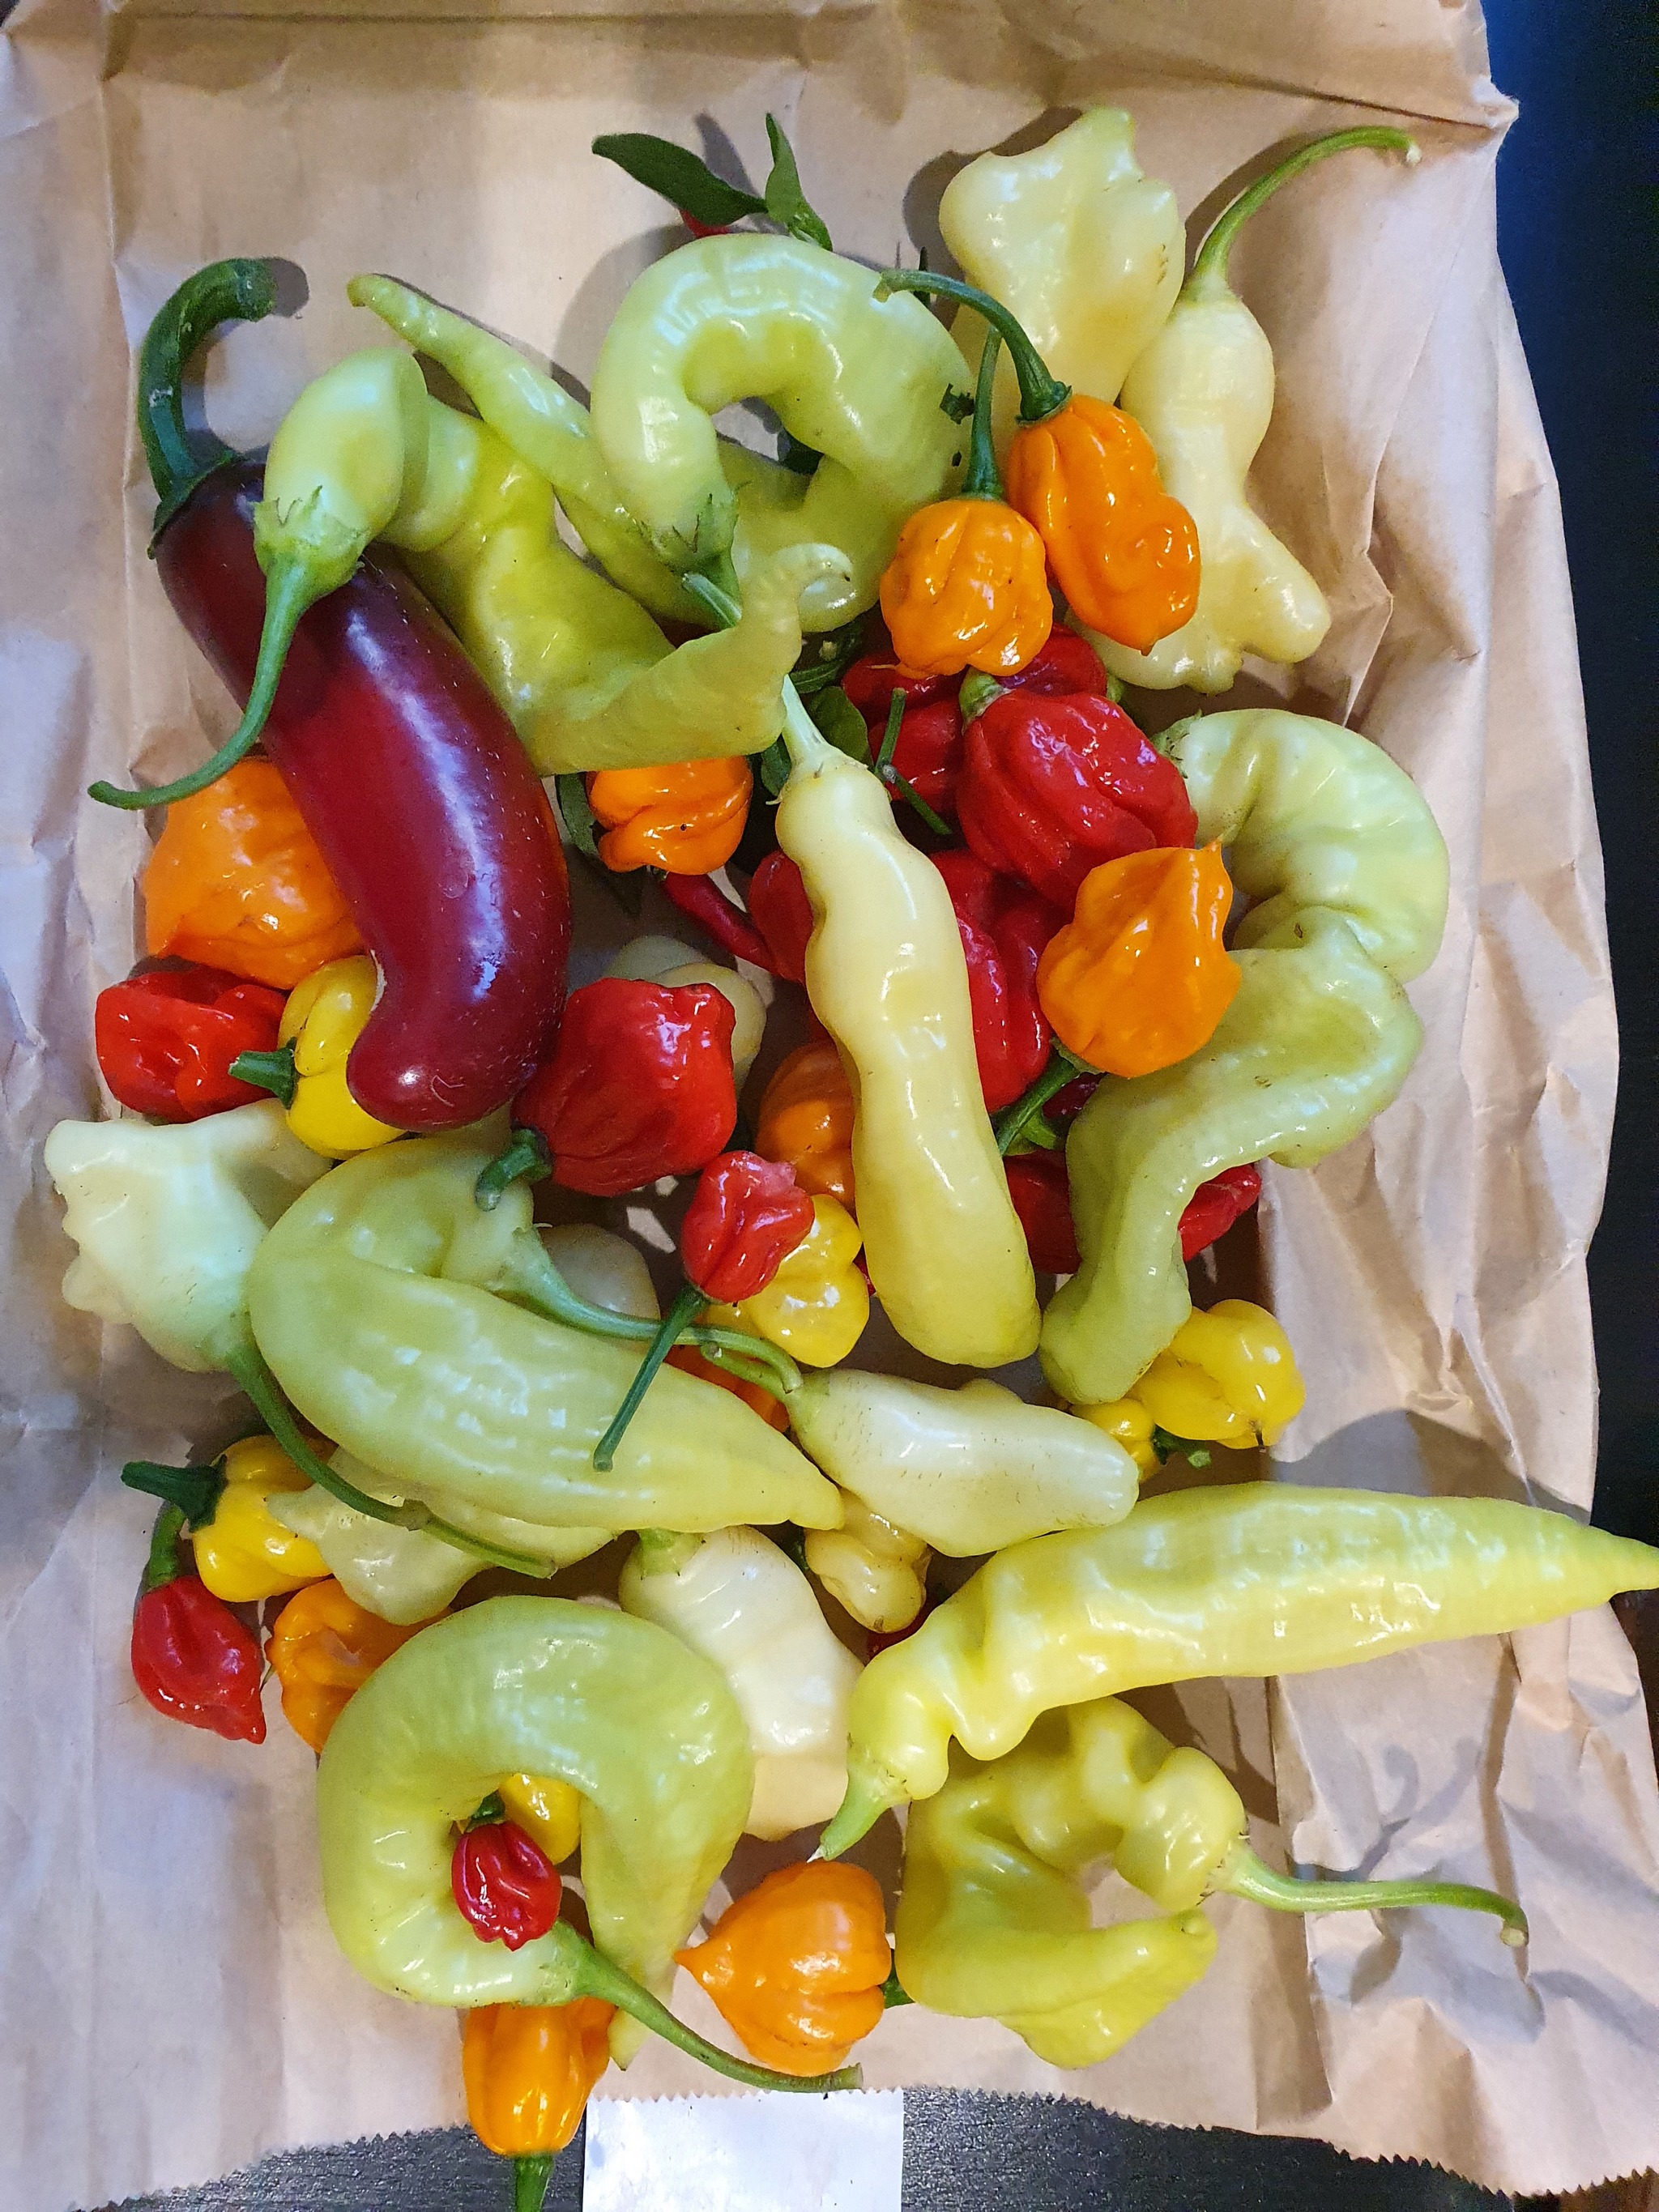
x,y
192,1658
165,1039
408,774
1003,928
506,1888
1041,1191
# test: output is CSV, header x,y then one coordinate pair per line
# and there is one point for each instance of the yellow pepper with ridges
x,y
1229,1377
1126,1421
877,1571
546,1808
241,1552
817,1305
321,1021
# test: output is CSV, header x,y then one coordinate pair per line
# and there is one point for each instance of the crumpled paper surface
x,y
173,2002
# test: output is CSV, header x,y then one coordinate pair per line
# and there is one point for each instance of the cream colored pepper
x,y
1085,249
1203,393
877,1571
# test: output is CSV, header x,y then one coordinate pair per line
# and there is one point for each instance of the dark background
x,y
1577,248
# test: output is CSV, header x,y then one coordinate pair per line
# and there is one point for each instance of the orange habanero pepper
x,y
806,1118
798,1967
236,881
529,2071
1139,978
968,584
1123,551
322,1651
686,818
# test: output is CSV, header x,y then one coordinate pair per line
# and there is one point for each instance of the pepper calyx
x,y
274,1071
526,1158
164,1565
195,1490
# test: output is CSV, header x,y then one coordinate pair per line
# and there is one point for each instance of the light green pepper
x,y
403,1575
968,1470
385,1311
1347,874
865,382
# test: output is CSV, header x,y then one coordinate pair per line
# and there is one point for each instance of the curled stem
x,y
1211,266
526,1157
1244,1875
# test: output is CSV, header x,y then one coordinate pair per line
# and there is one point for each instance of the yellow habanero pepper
x,y
1140,978
529,2071
817,1305
1127,1422
321,1021
242,1552
806,1118
1228,1377
547,1810
686,818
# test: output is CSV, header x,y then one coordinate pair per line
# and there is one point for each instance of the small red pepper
x,y
165,1039
1037,1185
507,1887
869,683
1050,788
1064,665
1004,927
639,1087
1215,1205
745,1217
783,913
192,1658
702,897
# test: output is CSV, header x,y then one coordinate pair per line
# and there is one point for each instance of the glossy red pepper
x,y
641,1085
871,680
1215,1205
1065,666
1037,1185
1004,927
745,1217
507,1887
702,899
191,1657
928,751
165,1039
409,775
783,914
1051,787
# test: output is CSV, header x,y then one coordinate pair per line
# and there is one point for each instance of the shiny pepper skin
x,y
548,1810
806,1118
1005,928
796,1966
783,913
875,1569
165,1040
323,1020
1050,788
967,587
686,818
1041,1190
1228,1377
236,881
746,1216
1127,1422
192,1658
242,1552
529,2071
1139,978
817,1305
323,1647
1123,551
505,1888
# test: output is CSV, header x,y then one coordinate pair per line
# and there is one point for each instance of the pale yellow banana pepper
x,y
877,1571
1085,249
1203,393
817,1303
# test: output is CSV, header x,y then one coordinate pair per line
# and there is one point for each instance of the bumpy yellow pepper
x,y
877,1571
242,1552
547,1810
1228,1377
321,1021
817,1305
1127,1422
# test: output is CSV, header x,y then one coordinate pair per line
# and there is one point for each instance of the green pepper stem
x,y
667,1551
893,1992
984,479
978,690
1209,269
269,1071
164,1565
907,792
1011,1125
689,1302
196,1490
532,2171
1040,395
526,1158
241,291
1242,1874
592,1975
290,592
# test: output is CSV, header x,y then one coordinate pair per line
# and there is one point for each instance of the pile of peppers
x,y
999,1007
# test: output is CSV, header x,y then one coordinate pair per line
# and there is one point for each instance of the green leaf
x,y
578,814
1169,1447
786,203
687,182
839,721
774,766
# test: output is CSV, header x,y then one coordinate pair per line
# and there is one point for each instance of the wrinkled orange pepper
x,y
690,1361
686,818
806,1118
1139,978
322,1651
236,881
529,2071
968,584
797,1966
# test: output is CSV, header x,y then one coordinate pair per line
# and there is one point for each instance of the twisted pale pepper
x,y
995,1918
1347,877
1257,1579
876,1570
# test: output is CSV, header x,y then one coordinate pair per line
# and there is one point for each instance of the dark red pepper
x,y
927,752
1005,928
1064,665
871,682
408,773
641,1085
165,1039
191,1657
504,1883
746,1216
783,915
1051,787
1215,1205
1038,1187
702,897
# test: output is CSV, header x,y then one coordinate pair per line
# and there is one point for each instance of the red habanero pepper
x,y
1037,1185
641,1085
927,752
783,914
1003,928
165,1039
422,800
507,1887
1215,1205
1065,665
871,682
1052,788
192,1658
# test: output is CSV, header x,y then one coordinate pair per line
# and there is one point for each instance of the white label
x,y
775,2154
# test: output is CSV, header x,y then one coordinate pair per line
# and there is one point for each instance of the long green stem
x,y
1012,1123
1211,266
984,479
234,291
164,1565
689,1302
1244,1875
1040,394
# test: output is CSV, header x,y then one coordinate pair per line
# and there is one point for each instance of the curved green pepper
x,y
384,1309
1257,1579
864,381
